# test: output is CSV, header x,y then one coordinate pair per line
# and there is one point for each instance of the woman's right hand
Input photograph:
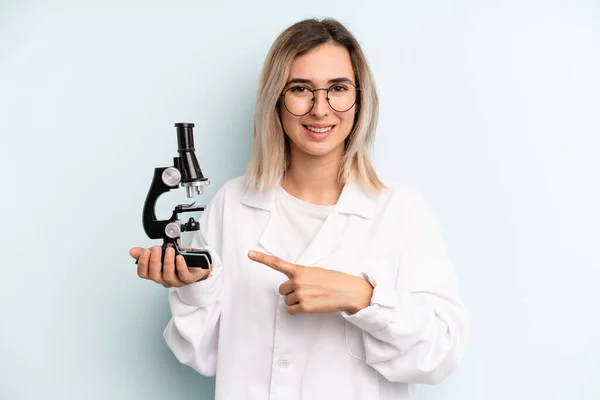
x,y
174,273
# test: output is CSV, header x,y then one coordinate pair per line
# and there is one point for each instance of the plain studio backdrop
x,y
490,108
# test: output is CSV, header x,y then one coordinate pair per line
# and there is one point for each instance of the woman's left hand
x,y
311,290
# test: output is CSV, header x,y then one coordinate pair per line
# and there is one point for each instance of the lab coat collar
x,y
353,200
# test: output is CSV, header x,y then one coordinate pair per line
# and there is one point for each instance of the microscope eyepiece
x,y
185,137
192,177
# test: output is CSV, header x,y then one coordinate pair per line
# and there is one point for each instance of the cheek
x,y
287,122
348,121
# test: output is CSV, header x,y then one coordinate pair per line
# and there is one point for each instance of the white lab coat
x,y
235,323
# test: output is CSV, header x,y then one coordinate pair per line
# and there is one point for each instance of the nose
x,y
321,106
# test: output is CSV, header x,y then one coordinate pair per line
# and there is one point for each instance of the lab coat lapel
x,y
353,201
327,240
270,238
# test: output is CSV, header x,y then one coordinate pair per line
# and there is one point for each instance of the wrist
x,y
362,300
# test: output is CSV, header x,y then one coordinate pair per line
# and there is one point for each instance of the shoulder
x,y
411,210
232,190
233,186
405,204
217,208
399,195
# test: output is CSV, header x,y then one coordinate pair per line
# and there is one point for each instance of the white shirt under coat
x,y
235,323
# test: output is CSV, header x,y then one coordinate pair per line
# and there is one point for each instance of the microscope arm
x,y
170,230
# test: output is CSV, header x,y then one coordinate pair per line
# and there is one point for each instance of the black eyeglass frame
x,y
327,97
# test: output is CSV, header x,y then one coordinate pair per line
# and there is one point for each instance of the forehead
x,y
325,62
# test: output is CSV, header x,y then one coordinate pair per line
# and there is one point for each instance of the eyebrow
x,y
331,81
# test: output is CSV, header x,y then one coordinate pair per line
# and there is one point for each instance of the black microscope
x,y
185,172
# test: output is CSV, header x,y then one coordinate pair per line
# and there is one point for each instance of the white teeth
x,y
319,130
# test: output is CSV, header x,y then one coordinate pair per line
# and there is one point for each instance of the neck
x,y
314,178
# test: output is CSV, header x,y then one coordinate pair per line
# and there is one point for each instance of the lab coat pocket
x,y
355,344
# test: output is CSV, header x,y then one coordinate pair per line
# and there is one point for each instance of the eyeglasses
x,y
299,100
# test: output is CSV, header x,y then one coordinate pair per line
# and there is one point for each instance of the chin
x,y
318,149
316,152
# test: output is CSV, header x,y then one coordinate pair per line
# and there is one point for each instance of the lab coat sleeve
x,y
415,329
192,332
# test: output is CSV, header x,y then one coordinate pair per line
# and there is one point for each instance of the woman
x,y
325,284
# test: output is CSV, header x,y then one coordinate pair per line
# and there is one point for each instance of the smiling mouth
x,y
319,130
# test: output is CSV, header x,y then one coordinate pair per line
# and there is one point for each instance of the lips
x,y
318,132
319,128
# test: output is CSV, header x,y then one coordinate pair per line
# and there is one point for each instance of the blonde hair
x,y
270,154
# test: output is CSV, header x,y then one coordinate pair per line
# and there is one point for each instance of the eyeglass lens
x,y
299,99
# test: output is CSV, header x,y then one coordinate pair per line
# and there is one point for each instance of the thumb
x,y
136,252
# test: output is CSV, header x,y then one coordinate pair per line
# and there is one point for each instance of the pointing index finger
x,y
274,262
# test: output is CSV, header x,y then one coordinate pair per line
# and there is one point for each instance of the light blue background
x,y
490,108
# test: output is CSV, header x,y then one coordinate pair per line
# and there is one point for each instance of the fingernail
x,y
252,254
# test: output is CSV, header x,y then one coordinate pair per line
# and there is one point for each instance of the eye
x,y
339,88
299,89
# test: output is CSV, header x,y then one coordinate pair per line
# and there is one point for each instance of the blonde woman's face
x,y
322,130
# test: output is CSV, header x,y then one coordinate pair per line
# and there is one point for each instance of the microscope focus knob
x,y
171,176
173,230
